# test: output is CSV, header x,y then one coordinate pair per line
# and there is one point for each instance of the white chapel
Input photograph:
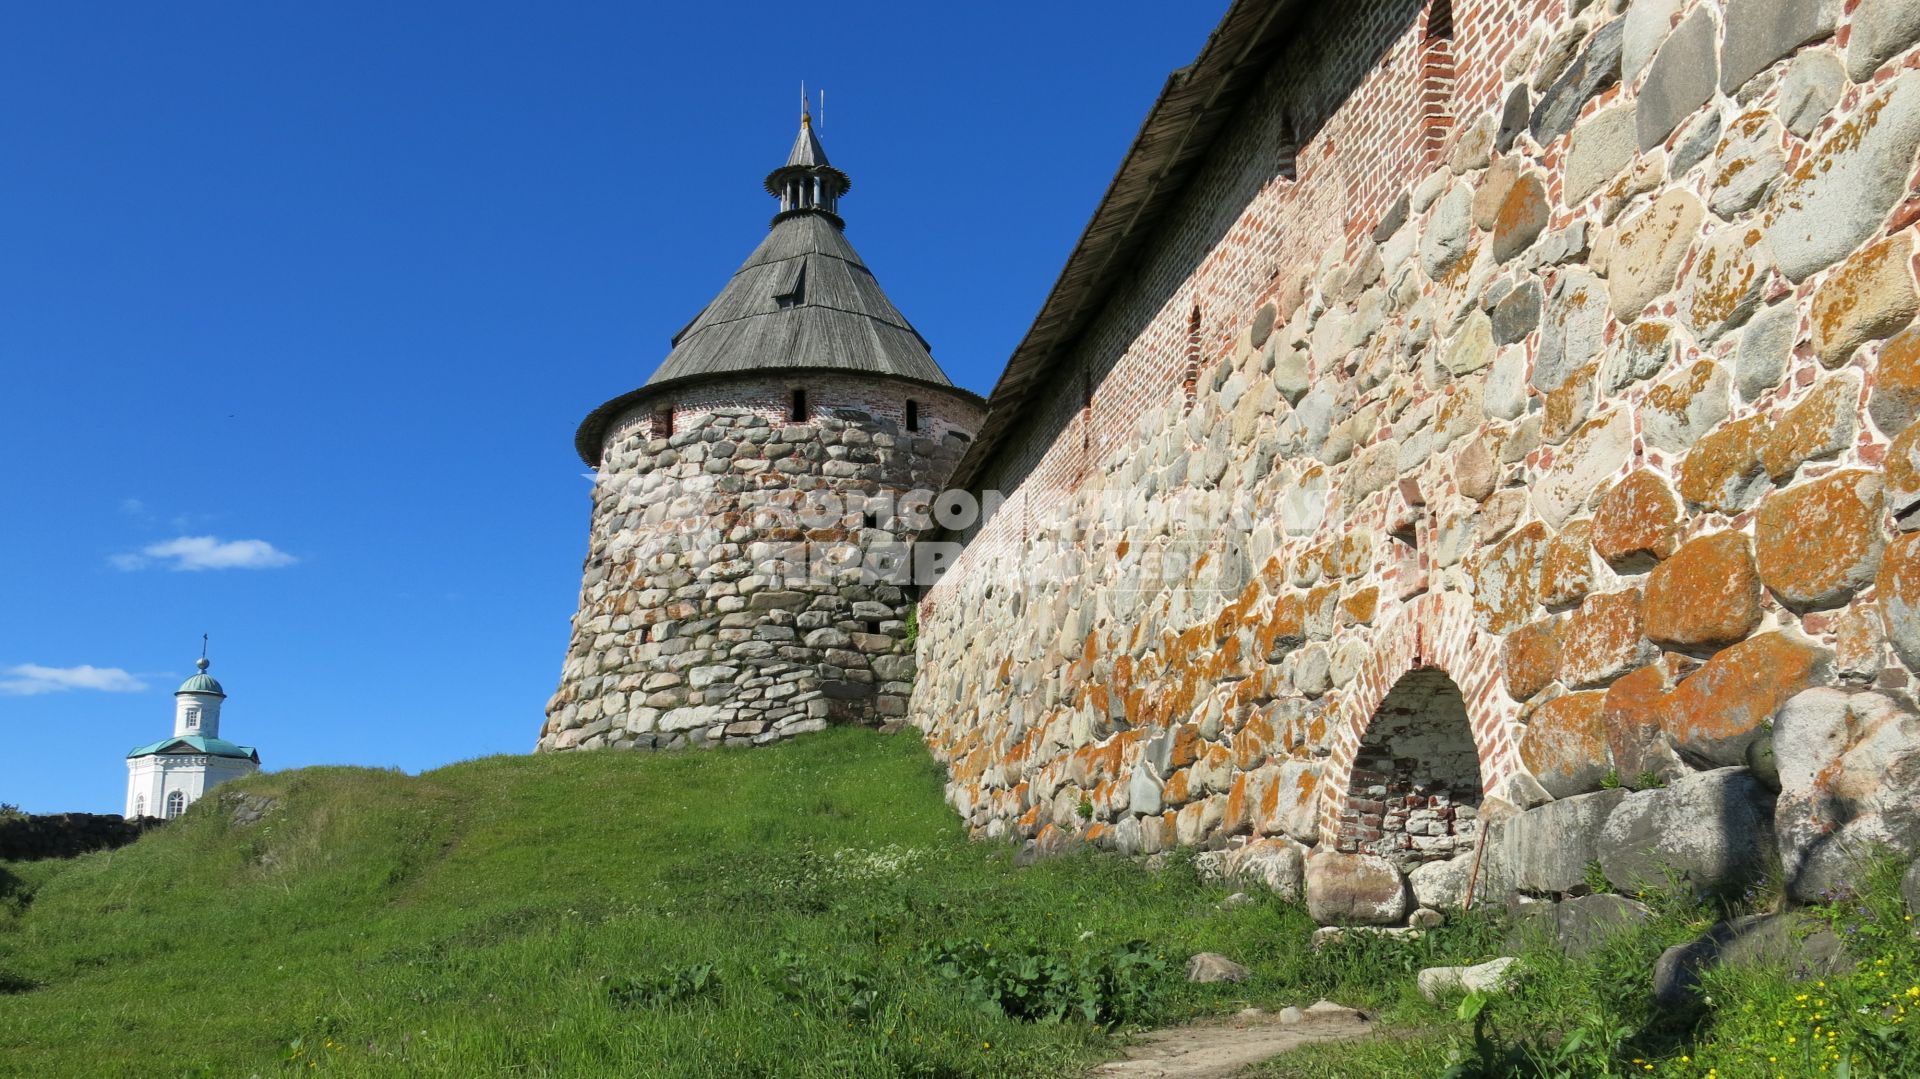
x,y
166,777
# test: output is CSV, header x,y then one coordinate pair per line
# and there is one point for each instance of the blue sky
x,y
301,303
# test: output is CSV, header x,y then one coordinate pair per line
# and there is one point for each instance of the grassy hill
x,y
808,909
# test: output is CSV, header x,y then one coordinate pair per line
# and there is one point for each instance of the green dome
x,y
201,683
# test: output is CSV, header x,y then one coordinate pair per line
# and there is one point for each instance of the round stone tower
x,y
750,567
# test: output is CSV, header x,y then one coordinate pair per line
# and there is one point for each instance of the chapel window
x,y
176,804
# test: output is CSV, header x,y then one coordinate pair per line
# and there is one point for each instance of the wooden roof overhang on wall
x,y
1193,109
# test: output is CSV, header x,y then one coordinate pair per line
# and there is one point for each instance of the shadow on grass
x,y
13,893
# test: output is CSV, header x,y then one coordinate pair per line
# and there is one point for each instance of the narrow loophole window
x,y
797,408
663,422
913,415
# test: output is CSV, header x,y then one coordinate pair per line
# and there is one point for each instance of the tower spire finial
x,y
807,183
203,664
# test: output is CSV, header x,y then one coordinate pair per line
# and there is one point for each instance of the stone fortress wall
x,y
1566,404
718,606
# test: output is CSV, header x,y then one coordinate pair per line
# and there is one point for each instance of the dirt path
x,y
1223,1048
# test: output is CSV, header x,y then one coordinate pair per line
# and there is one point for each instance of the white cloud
x,y
29,679
206,552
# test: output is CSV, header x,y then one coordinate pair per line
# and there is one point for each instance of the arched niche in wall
x,y
1414,789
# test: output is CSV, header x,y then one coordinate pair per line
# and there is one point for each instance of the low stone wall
x,y
1608,421
67,835
717,607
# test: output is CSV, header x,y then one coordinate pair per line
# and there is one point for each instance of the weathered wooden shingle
x,y
803,299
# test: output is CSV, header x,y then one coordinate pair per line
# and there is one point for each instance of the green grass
x,y
812,909
787,911
1595,1017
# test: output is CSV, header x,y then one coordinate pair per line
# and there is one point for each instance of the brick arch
x,y
1433,630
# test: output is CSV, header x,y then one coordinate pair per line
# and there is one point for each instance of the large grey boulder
x,y
1572,329
1278,865
1355,889
1711,830
1779,941
1681,79
1853,177
1513,117
1601,146
1583,924
1207,968
1762,31
1849,783
1546,850
1803,945
1488,977
1760,361
1881,29
1441,885
1811,87
1647,23
1445,237
1596,68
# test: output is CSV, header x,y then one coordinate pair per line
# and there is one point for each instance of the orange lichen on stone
x,y
1726,277
1820,426
1244,800
1323,609
1859,640
1355,554
1187,746
1565,743
1896,382
1506,578
1724,471
1897,587
1176,792
1251,742
1707,593
1714,713
1029,821
1568,405
1520,218
1269,810
1291,803
1359,607
1633,722
1869,296
1566,571
1285,626
1637,522
1530,658
1604,638
1819,542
